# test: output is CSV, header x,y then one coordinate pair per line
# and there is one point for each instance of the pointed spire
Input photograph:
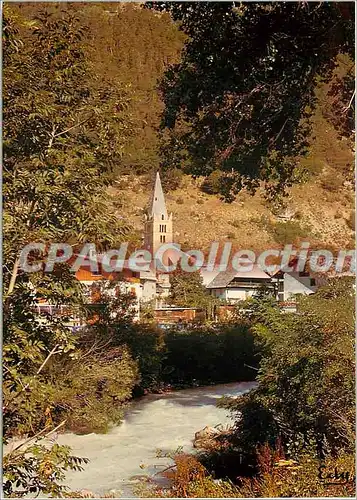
x,y
158,205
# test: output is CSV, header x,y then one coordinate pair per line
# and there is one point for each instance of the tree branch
x,y
73,126
52,352
346,108
36,436
13,277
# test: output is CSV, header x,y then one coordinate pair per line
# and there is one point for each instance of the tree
x,y
240,99
187,289
305,395
63,131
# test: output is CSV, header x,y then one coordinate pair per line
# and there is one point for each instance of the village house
x,y
234,286
293,283
150,286
153,286
230,286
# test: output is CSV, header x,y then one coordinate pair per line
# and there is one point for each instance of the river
x,y
154,422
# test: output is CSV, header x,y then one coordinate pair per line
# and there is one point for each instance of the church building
x,y
151,286
158,224
158,231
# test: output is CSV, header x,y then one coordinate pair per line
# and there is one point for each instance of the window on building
x,y
162,217
164,238
313,282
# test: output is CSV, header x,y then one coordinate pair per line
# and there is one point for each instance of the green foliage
x,y
220,110
288,232
38,469
187,290
148,347
306,379
63,129
58,137
283,232
183,356
209,355
131,47
213,183
90,392
29,340
340,110
147,312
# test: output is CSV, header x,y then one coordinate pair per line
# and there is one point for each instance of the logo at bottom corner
x,y
335,476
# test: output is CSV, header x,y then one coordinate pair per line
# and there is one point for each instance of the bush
x,y
172,179
180,201
206,356
288,232
312,166
300,479
147,347
275,478
88,392
91,395
213,183
262,221
28,472
231,236
305,394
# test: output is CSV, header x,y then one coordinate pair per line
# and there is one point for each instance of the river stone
x,y
207,432
205,438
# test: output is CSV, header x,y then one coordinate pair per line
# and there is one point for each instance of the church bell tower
x,y
158,224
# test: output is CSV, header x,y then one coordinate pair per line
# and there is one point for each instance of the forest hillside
x,y
133,46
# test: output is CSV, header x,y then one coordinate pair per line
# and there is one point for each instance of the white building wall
x,y
241,293
149,291
233,294
295,284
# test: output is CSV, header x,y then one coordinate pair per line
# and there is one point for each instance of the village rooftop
x,y
35,257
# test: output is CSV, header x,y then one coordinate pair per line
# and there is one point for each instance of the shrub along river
x,y
154,422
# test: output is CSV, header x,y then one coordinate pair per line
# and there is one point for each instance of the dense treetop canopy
x,y
241,97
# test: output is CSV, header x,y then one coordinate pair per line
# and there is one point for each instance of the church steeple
x,y
158,225
158,205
